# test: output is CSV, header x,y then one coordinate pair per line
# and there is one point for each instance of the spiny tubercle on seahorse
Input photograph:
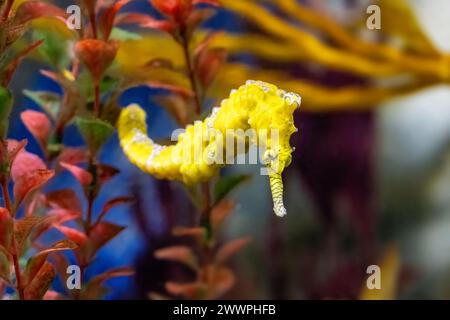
x,y
257,105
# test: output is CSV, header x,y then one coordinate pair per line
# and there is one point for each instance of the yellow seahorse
x,y
198,154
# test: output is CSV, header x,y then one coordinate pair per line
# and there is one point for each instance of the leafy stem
x,y
190,70
7,9
91,194
14,253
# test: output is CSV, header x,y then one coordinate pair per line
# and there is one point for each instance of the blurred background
x,y
370,179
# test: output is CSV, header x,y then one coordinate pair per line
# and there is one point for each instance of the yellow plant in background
x,y
296,33
255,105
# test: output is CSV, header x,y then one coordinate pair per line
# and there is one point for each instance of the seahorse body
x,y
256,105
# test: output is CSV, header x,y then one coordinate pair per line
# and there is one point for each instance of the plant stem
x,y
97,107
15,257
205,217
7,9
191,71
206,214
14,253
206,223
93,19
91,195
6,198
97,111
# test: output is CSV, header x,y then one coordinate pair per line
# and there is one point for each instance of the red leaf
x,y
73,234
59,246
95,289
63,215
185,92
73,155
12,66
38,124
194,290
111,204
24,227
83,176
205,43
96,55
15,147
108,17
209,64
64,199
114,273
144,21
106,172
90,5
6,229
117,201
231,248
29,182
176,9
179,10
35,263
183,231
197,17
220,212
24,163
182,254
50,74
99,235
53,295
157,296
36,289
220,280
198,233
5,266
35,9
210,2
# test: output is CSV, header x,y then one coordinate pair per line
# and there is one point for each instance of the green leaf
x,y
54,48
6,102
85,85
49,101
94,131
124,35
109,84
226,184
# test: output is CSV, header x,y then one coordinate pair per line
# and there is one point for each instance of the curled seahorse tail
x,y
132,128
276,186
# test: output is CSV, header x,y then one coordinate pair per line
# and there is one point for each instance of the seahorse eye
x,y
269,156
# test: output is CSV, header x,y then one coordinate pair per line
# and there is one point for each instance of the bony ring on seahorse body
x,y
258,106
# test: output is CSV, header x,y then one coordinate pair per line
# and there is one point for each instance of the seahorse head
x,y
273,119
